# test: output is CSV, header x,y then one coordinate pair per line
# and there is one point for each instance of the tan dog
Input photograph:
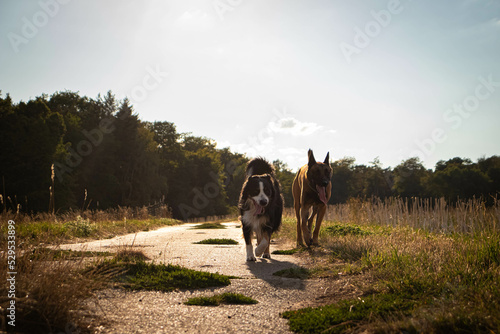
x,y
311,188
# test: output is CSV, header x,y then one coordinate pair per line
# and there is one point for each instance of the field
x,y
417,266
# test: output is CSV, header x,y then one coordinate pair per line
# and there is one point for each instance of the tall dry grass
x,y
49,293
432,215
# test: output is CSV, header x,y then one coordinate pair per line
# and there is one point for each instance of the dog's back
x,y
259,166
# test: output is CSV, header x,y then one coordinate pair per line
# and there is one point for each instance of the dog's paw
x,y
266,256
251,258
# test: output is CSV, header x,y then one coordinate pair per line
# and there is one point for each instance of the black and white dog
x,y
261,207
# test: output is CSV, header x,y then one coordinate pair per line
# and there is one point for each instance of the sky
x,y
364,79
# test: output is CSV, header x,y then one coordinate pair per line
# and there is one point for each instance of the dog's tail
x,y
259,166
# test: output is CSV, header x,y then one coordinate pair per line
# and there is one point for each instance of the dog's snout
x,y
263,202
325,182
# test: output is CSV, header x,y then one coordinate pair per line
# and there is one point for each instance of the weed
x,y
80,227
225,298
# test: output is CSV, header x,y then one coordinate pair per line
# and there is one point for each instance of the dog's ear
x,y
327,159
310,155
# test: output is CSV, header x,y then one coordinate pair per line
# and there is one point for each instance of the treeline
x,y
454,179
98,154
66,151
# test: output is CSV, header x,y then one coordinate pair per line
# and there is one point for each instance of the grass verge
x,y
53,232
416,281
222,241
225,298
51,284
44,253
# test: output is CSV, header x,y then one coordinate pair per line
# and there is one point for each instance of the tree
x,y
377,181
31,136
458,178
491,167
137,163
285,177
343,180
234,174
409,178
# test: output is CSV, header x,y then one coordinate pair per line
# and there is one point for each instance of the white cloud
x,y
292,126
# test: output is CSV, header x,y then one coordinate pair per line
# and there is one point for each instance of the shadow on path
x,y
264,268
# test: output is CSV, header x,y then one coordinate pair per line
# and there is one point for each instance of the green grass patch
x,y
160,277
225,298
347,314
294,272
209,226
343,230
286,251
222,241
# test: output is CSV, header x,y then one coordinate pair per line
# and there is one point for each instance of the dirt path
x,y
158,312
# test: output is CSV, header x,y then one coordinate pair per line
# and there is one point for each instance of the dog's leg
x,y
299,226
247,234
304,221
311,218
267,254
263,244
319,219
